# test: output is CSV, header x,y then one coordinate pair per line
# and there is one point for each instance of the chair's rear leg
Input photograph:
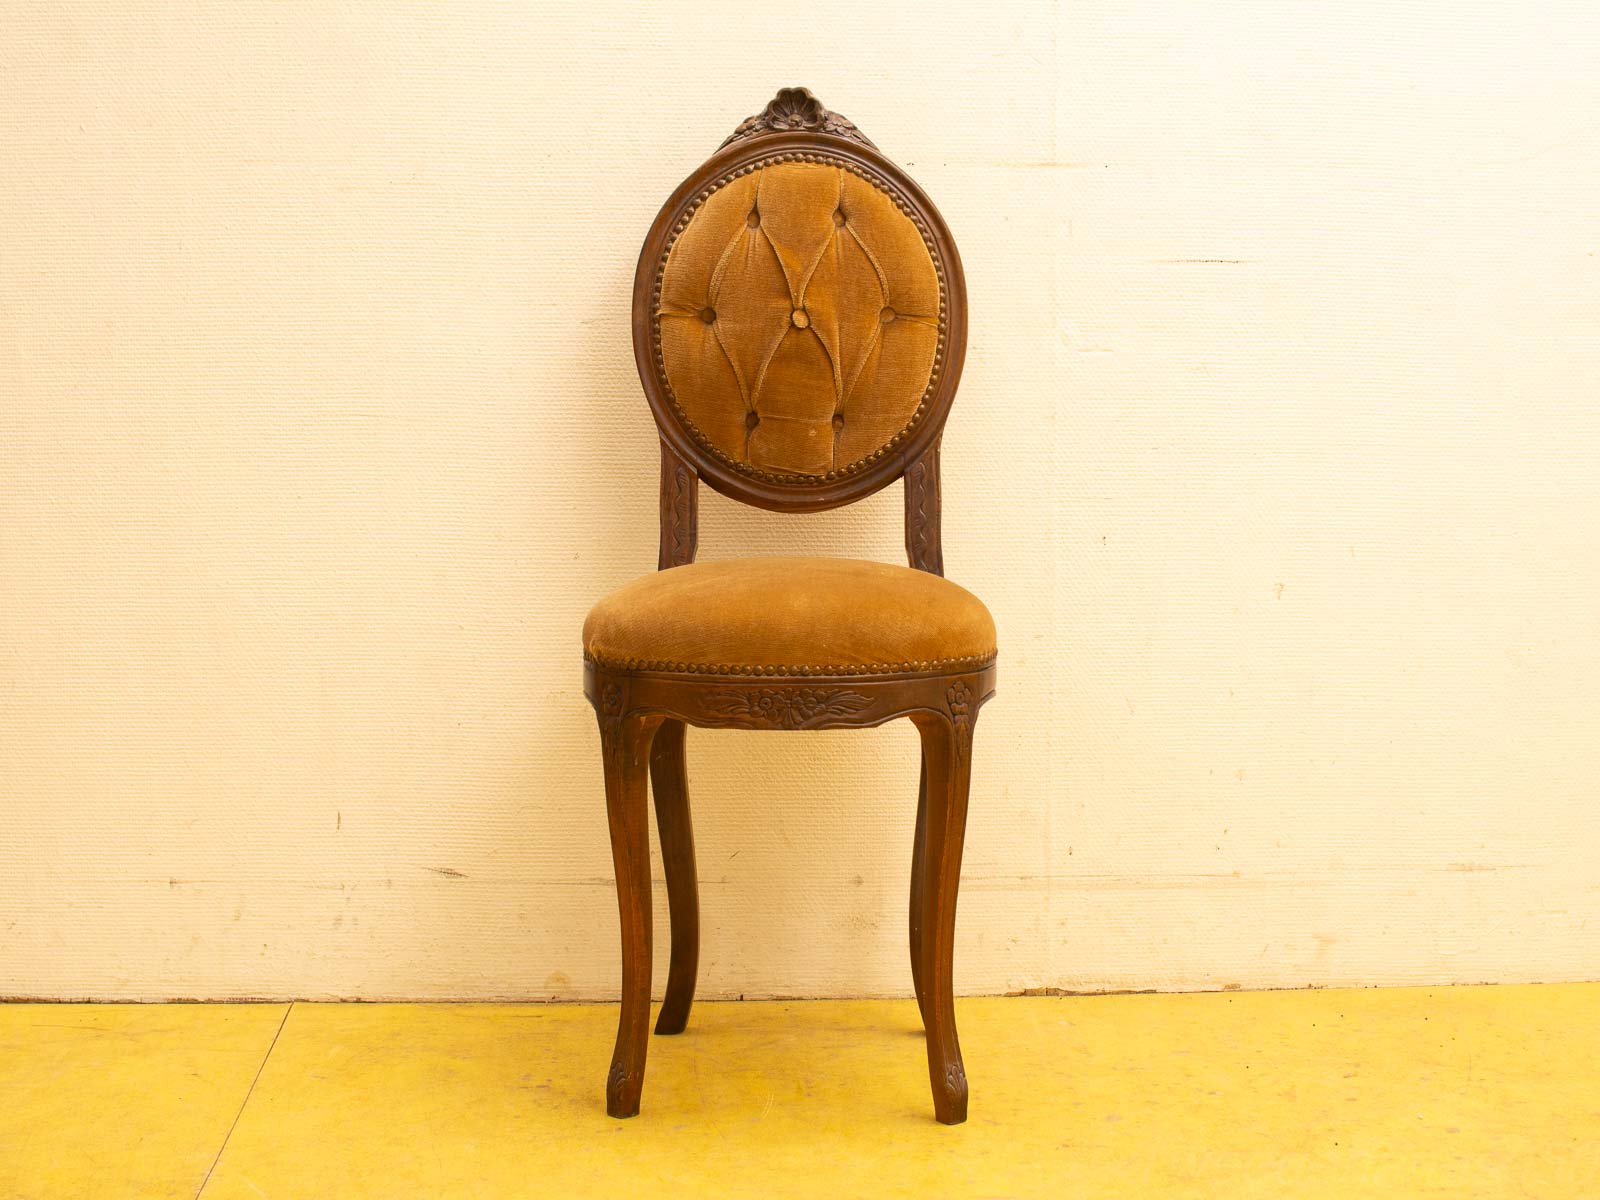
x,y
670,781
625,743
947,751
919,875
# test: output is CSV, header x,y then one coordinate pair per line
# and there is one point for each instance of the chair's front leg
x,y
947,756
669,780
625,742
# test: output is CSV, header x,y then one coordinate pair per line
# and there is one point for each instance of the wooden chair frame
x,y
643,713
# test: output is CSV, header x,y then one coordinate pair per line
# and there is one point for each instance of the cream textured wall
x,y
1276,460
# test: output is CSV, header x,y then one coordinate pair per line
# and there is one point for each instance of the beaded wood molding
x,y
659,361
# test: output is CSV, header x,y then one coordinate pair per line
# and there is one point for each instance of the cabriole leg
x,y
670,782
947,755
625,742
919,877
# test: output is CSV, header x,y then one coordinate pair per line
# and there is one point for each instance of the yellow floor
x,y
1491,1091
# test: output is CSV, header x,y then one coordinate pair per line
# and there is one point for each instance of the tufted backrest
x,y
799,316
799,313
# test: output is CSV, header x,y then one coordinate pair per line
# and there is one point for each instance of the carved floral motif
x,y
958,697
783,707
611,722
796,109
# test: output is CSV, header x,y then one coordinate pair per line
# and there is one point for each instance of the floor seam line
x,y
250,1091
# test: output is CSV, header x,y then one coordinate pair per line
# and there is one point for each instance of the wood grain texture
x,y
669,784
625,740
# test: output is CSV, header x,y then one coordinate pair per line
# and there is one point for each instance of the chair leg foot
x,y
950,1094
622,1091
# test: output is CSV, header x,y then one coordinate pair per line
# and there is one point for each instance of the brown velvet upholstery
x,y
799,318
790,616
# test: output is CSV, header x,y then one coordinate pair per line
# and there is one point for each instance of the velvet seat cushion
x,y
790,616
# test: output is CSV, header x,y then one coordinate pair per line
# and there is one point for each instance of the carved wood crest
x,y
796,108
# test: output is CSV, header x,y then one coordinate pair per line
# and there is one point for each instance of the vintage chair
x,y
799,321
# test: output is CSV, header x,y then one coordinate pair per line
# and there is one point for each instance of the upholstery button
x,y
708,315
886,315
838,216
751,420
800,318
753,219
838,420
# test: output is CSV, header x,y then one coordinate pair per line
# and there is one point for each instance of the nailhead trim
x,y
926,666
682,223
